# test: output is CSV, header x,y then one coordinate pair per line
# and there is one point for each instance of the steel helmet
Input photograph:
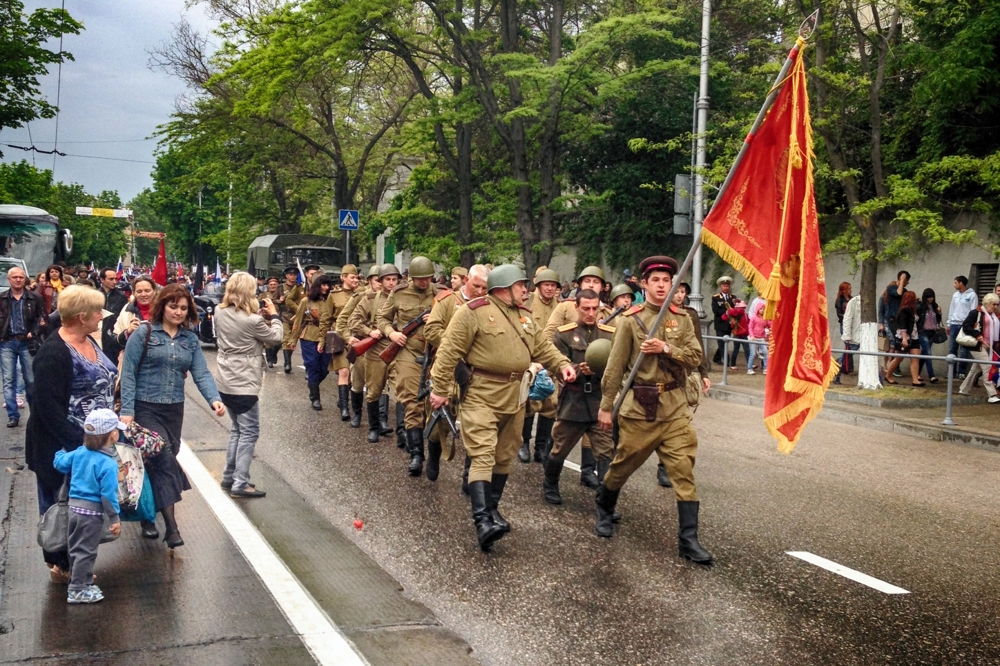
x,y
421,267
505,276
388,270
373,271
622,290
591,271
546,275
597,355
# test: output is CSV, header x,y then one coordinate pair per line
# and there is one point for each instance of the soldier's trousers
x,y
491,440
377,373
407,387
565,435
358,374
287,341
675,442
339,362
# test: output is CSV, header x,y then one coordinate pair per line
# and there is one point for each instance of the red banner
x,y
766,226
160,267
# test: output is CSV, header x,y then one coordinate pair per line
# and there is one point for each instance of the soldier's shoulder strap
x,y
635,309
678,311
444,293
568,327
400,287
524,309
606,328
372,294
477,303
439,289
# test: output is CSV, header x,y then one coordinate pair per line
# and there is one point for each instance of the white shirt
x,y
961,306
994,329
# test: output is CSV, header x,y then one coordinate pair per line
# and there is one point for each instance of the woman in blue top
x,y
158,356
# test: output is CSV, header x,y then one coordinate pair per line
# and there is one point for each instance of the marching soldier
x,y
498,339
654,415
579,401
362,324
403,306
358,368
288,305
541,303
446,303
338,299
722,302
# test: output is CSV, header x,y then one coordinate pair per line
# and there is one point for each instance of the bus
x,y
33,236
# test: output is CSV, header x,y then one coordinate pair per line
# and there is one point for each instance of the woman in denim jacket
x,y
158,358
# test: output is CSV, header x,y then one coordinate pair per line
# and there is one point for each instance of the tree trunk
x,y
463,139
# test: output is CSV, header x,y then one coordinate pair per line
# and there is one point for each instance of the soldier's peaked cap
x,y
290,270
660,262
349,269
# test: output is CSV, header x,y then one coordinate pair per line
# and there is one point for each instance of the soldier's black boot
x,y
487,532
524,455
357,400
550,485
687,534
588,468
433,459
401,426
497,485
415,446
662,477
383,416
314,397
604,519
543,439
343,399
465,475
373,422
288,360
602,470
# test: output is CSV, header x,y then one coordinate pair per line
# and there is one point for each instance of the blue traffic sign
x,y
349,220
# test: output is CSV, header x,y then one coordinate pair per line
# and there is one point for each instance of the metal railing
x,y
950,359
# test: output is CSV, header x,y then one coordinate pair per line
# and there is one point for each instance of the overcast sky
x,y
109,94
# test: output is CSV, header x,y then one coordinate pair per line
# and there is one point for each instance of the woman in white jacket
x,y
852,330
137,310
242,330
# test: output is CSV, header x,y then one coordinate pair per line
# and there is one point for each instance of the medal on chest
x,y
526,324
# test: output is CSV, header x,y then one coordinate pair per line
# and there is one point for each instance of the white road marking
x,y
572,465
302,367
314,627
846,572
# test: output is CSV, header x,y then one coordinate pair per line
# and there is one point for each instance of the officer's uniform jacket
x,y
361,321
565,313
403,306
499,342
542,311
446,303
339,298
293,297
668,371
580,400
345,313
312,320
721,304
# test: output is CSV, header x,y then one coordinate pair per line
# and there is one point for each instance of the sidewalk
x,y
902,409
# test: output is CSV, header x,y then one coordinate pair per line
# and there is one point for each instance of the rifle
x,y
388,355
614,313
359,348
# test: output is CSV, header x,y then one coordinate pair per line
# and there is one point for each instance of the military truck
x,y
269,255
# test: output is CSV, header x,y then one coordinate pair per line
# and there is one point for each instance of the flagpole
x,y
805,31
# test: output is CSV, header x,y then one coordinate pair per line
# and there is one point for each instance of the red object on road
x,y
358,524
160,269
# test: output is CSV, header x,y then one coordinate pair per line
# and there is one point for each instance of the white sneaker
x,y
994,399
751,372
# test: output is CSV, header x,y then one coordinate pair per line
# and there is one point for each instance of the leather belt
x,y
507,379
661,387
580,388
11,338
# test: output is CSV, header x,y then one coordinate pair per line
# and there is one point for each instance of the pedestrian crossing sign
x,y
348,220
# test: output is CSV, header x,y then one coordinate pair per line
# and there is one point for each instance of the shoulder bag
x,y
967,340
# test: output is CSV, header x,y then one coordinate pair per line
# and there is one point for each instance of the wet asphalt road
x,y
917,514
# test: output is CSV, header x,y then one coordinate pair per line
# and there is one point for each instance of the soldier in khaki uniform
x,y
362,324
446,304
498,339
579,401
654,415
403,306
312,321
541,303
459,276
288,305
338,299
358,368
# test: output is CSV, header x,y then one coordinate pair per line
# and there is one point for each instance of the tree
x,y
23,58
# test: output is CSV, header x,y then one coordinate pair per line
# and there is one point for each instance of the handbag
x,y
145,509
967,340
148,443
940,336
333,344
53,527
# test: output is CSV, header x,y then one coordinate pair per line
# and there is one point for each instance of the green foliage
x,y
23,58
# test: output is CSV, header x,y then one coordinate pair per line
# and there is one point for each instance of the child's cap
x,y
101,422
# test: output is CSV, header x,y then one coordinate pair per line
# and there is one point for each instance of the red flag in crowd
x,y
765,225
160,267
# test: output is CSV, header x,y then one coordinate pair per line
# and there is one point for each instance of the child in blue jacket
x,y
93,493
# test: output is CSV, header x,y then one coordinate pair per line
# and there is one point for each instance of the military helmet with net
x,y
505,276
591,271
597,355
546,275
388,270
421,267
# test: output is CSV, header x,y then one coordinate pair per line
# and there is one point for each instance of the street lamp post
x,y
698,210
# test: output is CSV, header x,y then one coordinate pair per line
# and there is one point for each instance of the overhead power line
x,y
53,152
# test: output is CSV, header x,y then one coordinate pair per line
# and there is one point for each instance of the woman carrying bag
x,y
983,325
242,334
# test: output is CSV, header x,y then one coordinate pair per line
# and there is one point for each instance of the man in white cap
x,y
721,303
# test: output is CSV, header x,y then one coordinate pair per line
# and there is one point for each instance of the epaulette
x,y
567,327
680,311
336,289
438,288
443,294
632,310
371,295
605,327
719,295
477,303
673,308
521,307
400,287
